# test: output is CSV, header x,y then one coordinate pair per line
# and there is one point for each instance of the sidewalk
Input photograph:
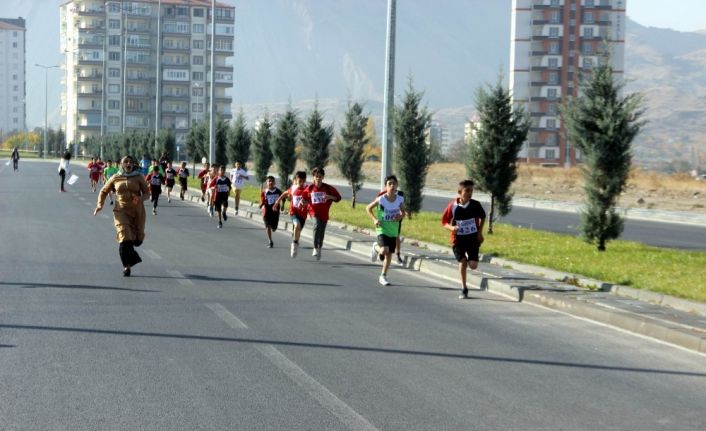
x,y
668,319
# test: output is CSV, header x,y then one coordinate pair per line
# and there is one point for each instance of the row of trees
x,y
34,141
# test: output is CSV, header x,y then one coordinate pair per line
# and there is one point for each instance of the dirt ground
x,y
645,189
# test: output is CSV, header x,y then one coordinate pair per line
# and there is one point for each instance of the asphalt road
x,y
215,331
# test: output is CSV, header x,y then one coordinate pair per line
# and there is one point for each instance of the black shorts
x,y
155,190
298,220
467,249
182,183
170,183
271,219
221,200
387,241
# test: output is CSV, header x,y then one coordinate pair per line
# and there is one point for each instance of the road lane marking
x,y
227,316
180,278
153,254
350,418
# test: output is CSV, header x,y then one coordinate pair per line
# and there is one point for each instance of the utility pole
x,y
211,124
389,98
46,96
159,63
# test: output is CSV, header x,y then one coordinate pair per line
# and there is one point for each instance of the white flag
x,y
72,180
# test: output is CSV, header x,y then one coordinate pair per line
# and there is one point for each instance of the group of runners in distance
x,y
464,217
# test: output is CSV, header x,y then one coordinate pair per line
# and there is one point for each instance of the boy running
x,y
183,177
221,191
93,172
204,182
238,175
297,210
322,195
465,217
108,172
155,179
390,209
170,175
270,216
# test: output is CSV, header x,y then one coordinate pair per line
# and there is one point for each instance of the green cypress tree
x,y
350,148
239,140
262,149
602,124
285,142
221,141
166,142
412,155
492,154
316,139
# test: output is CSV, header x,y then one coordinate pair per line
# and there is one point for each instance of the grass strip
x,y
662,270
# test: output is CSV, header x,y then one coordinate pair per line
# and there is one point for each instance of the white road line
x,y
153,255
227,316
180,278
81,198
350,418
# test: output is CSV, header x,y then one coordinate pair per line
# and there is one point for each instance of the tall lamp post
x,y
388,101
46,96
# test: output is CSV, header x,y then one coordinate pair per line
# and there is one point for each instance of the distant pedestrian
x,y
322,195
389,210
465,217
270,216
238,175
15,156
64,169
131,190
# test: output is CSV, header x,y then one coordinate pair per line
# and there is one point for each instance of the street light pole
x,y
211,120
46,97
388,102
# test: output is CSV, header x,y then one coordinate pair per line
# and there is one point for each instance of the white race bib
x,y
318,197
271,199
466,227
222,188
391,214
297,201
155,181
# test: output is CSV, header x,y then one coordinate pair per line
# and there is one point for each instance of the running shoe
x,y
154,212
210,211
373,254
383,280
220,225
318,254
314,252
270,245
169,199
225,216
464,294
400,261
294,249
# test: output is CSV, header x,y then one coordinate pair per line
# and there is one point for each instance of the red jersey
x,y
298,194
468,219
318,204
203,176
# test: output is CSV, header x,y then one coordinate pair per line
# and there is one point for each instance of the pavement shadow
x,y
422,353
73,286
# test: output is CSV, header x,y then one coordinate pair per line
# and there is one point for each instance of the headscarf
x,y
134,172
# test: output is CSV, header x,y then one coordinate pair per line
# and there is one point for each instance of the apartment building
x,y
12,76
134,64
554,44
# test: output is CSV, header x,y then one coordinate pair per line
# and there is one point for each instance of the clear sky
x,y
682,15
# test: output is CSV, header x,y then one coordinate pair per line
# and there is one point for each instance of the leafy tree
x,y
285,142
239,140
262,149
492,154
316,139
194,144
602,124
350,148
166,142
221,141
60,138
412,153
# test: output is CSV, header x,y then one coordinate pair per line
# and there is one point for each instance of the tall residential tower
x,y
133,64
554,44
12,76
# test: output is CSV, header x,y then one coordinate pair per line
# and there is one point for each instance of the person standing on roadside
x,y
64,169
130,190
389,210
322,195
465,217
15,156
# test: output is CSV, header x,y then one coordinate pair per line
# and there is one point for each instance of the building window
x,y
554,48
113,104
555,17
198,44
551,140
588,17
551,93
587,62
114,40
588,32
114,7
113,121
114,72
553,78
114,56
198,28
586,48
590,3
553,62
550,155
197,92
554,3
113,88
197,60
197,76
114,23
551,124
197,107
224,45
198,12
552,109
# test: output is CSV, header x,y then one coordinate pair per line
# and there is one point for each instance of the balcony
x,y
90,77
91,12
96,92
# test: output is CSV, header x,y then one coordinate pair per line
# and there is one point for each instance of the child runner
x,y
93,173
270,216
204,182
390,210
221,191
101,168
297,210
212,174
170,176
398,242
464,217
108,172
155,179
183,177
322,195
238,175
